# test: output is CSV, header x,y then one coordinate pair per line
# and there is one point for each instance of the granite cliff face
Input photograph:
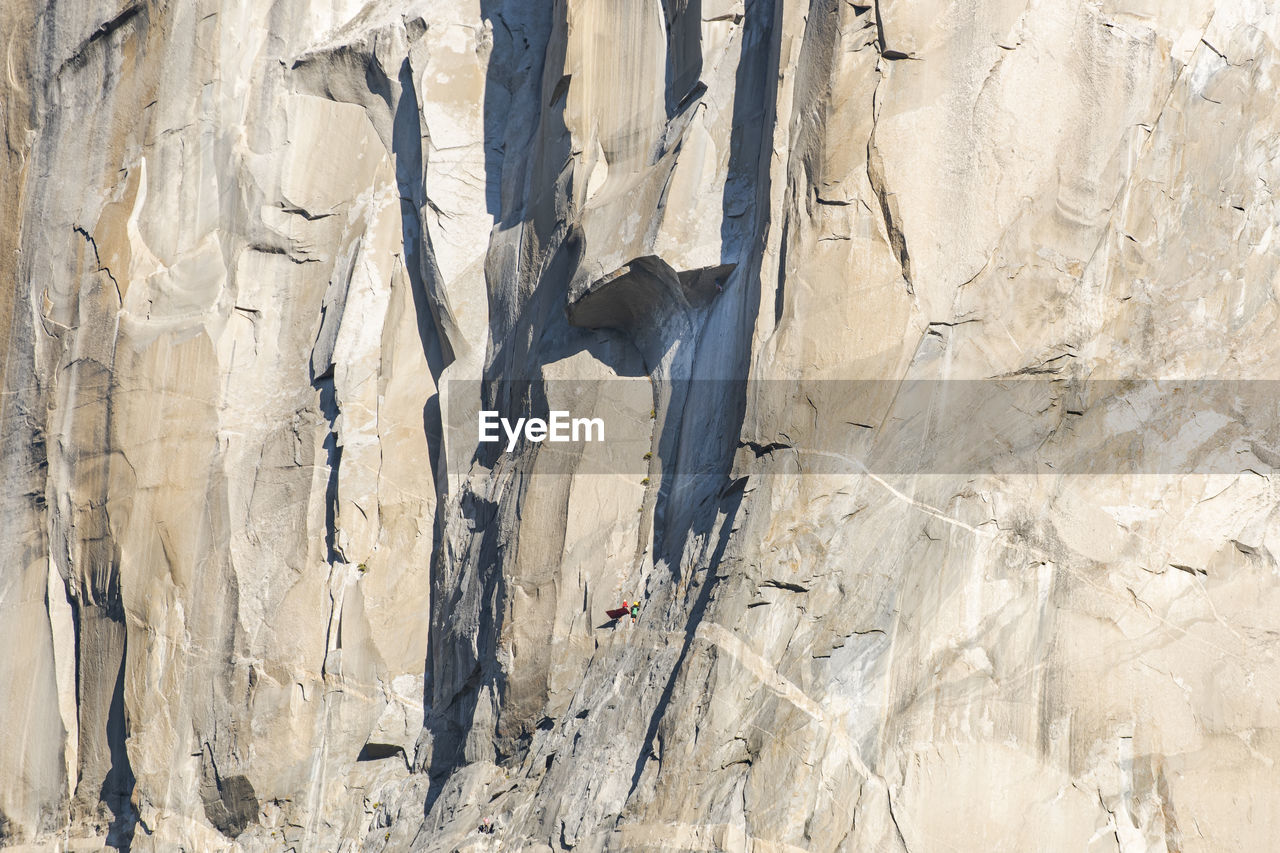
x,y
261,588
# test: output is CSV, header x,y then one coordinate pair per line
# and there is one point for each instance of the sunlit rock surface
x,y
260,591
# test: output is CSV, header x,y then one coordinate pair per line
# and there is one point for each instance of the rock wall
x,y
261,590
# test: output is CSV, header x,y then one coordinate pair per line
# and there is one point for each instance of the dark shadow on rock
x,y
687,499
684,50
700,489
106,778
430,310
753,122
535,261
333,460
117,788
466,592
433,314
731,503
468,583
230,803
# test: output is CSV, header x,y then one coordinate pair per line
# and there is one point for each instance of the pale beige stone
x,y
263,589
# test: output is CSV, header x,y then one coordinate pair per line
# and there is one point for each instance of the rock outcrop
x,y
262,588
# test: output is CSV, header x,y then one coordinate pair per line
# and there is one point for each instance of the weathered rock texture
x,y
256,595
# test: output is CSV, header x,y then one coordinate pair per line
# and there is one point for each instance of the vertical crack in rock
x,y
888,210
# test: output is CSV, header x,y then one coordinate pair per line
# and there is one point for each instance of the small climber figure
x,y
635,611
486,826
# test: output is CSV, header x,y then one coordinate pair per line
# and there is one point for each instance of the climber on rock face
x,y
635,611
